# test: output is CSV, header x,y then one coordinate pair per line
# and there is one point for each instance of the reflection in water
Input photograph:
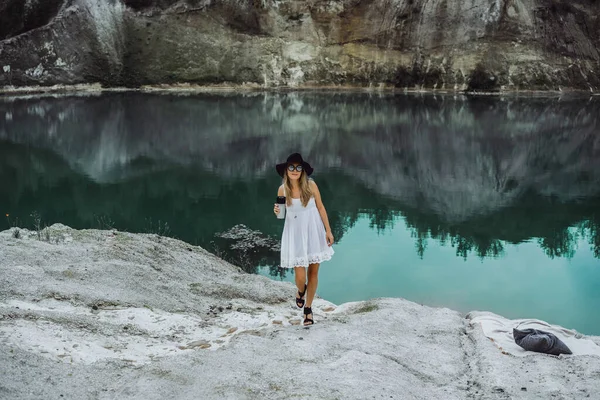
x,y
476,173
532,216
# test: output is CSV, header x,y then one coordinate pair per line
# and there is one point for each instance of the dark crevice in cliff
x,y
244,19
482,80
18,16
161,4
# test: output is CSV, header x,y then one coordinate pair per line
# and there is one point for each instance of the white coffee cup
x,y
281,203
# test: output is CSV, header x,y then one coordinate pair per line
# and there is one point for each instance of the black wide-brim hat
x,y
294,158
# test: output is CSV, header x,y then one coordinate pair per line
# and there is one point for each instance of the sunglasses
x,y
298,168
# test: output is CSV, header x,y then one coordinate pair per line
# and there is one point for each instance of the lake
x,y
471,203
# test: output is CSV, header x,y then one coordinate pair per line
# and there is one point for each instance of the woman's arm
x,y
322,211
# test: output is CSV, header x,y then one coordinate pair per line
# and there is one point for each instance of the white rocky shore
x,y
110,315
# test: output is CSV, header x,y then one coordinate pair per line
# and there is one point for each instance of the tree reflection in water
x,y
473,173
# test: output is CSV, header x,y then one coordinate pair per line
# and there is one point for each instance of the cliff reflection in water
x,y
473,172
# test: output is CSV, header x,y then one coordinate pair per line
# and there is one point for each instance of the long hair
x,y
305,191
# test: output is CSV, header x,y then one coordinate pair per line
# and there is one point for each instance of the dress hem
x,y
317,260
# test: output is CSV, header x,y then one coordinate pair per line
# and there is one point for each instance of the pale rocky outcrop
x,y
106,314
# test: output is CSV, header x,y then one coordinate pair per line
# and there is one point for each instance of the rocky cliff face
x,y
83,42
438,44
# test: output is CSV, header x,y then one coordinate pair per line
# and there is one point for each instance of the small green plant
x,y
243,261
240,258
16,233
14,223
68,273
160,229
367,307
37,224
104,222
216,250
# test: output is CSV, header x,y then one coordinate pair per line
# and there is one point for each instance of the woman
x,y
307,237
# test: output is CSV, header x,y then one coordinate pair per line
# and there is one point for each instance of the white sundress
x,y
303,241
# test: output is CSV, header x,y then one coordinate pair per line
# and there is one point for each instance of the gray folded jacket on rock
x,y
540,341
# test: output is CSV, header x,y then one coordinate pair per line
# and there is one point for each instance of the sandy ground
x,y
110,315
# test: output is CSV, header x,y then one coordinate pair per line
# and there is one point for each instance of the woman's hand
x,y
276,209
329,237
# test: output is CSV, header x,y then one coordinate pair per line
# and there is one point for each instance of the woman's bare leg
x,y
313,281
300,275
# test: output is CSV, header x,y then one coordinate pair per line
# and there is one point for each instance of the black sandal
x,y
300,300
308,321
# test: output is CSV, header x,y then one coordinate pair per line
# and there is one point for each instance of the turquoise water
x,y
523,283
471,203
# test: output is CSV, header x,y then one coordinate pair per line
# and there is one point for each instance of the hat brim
x,y
282,167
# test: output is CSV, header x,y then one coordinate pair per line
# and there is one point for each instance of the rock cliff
x,y
480,45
